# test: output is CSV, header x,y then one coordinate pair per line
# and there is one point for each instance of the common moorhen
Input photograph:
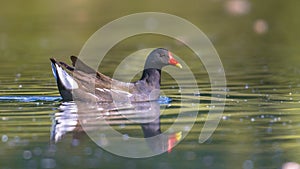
x,y
84,83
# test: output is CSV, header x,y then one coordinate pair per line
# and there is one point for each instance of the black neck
x,y
152,77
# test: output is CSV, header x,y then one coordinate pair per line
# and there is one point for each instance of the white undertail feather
x,y
67,81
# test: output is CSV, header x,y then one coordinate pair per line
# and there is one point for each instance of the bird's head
x,y
159,58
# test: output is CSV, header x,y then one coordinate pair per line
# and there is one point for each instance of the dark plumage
x,y
87,84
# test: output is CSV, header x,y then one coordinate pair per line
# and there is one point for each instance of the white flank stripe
x,y
101,90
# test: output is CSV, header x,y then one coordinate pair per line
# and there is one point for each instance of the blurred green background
x,y
38,29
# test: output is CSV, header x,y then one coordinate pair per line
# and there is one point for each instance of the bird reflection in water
x,y
81,117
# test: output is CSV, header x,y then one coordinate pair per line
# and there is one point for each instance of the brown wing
x,y
104,87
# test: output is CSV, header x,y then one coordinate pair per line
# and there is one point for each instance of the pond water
x,y
258,45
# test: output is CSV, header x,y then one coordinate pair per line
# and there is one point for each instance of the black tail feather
x,y
65,93
79,65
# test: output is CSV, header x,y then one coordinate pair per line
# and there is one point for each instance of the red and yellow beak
x,y
173,61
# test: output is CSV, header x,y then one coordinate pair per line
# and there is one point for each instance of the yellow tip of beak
x,y
178,65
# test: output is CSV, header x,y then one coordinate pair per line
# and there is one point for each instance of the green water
x,y
260,126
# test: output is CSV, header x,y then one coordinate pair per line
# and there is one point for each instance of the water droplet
x,y
260,26
225,118
237,7
18,75
27,154
4,138
20,86
252,119
75,142
246,86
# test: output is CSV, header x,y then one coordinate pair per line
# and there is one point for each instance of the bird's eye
x,y
162,55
